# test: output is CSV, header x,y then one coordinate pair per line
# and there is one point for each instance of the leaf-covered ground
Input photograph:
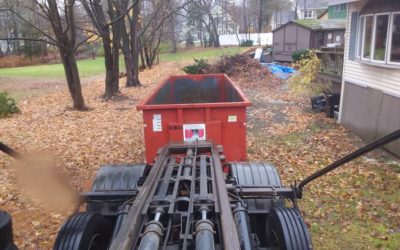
x,y
354,207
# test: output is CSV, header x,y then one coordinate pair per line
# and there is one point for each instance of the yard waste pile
x,y
248,71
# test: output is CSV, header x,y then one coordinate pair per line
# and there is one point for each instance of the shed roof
x,y
330,24
335,2
316,24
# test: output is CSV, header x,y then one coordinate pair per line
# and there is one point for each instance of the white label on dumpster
x,y
157,124
232,118
194,132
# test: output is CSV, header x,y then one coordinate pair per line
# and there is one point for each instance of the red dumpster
x,y
188,108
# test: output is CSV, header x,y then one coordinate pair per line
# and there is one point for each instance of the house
x,y
337,9
370,94
305,34
331,67
310,9
281,17
224,22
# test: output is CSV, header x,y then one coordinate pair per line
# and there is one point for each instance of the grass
x,y
89,67
201,53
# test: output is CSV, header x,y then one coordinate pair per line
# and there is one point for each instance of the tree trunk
x,y
129,71
108,60
72,76
174,48
134,46
126,50
142,61
147,56
116,38
135,68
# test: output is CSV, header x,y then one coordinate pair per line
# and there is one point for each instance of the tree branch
x,y
84,41
28,39
122,15
141,33
30,23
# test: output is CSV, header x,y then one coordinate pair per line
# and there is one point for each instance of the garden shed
x,y
306,34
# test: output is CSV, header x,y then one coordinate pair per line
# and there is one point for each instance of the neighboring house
x,y
332,56
306,34
324,15
337,9
225,24
311,9
370,103
281,17
223,21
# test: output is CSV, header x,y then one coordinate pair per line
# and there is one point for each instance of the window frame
x,y
308,11
361,34
374,38
340,8
389,55
363,38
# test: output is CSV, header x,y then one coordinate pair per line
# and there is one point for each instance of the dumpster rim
x,y
244,103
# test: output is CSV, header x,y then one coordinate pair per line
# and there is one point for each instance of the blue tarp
x,y
283,72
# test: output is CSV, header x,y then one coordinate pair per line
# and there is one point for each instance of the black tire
x,y
84,231
286,230
122,177
6,233
115,178
256,174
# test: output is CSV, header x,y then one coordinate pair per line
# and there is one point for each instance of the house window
x,y
340,7
379,38
395,39
308,14
367,41
360,35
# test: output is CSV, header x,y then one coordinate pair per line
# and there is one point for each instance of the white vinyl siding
x,y
363,74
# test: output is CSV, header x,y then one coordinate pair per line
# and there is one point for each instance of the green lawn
x,y
89,67
203,53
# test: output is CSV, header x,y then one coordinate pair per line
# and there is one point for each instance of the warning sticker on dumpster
x,y
157,124
194,132
232,118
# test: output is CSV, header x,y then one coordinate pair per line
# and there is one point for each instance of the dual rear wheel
x,y
285,228
84,231
93,229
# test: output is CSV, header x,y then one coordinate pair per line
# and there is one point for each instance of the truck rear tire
x,y
6,233
116,178
84,231
286,230
256,174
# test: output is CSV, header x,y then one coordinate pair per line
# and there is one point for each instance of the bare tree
x,y
143,29
60,30
130,46
108,22
200,14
